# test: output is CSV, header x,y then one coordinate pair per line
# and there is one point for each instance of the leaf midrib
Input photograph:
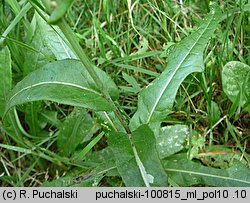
x,y
173,74
54,82
208,175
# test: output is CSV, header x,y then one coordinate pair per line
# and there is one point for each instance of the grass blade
x,y
5,75
76,129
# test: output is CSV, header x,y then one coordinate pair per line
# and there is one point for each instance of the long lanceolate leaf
x,y
66,82
157,99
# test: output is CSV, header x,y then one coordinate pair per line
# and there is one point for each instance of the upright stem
x,y
78,50
69,34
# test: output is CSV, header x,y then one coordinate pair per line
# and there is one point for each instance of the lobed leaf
x,y
65,82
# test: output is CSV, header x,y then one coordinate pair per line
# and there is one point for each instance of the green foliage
x,y
171,140
60,9
5,74
197,142
78,127
122,94
215,113
142,168
59,82
54,39
196,174
156,100
236,83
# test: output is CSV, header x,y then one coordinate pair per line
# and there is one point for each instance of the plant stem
x,y
70,35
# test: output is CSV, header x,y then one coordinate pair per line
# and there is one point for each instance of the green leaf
x,y
32,117
91,178
103,161
66,82
132,81
145,144
71,181
125,160
5,75
55,39
50,44
236,82
100,162
197,142
40,54
50,117
60,182
78,156
219,156
186,173
61,8
156,100
76,178
140,165
110,121
171,140
214,113
75,129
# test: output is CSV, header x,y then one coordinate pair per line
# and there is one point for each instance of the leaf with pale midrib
x,y
156,100
65,82
187,173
